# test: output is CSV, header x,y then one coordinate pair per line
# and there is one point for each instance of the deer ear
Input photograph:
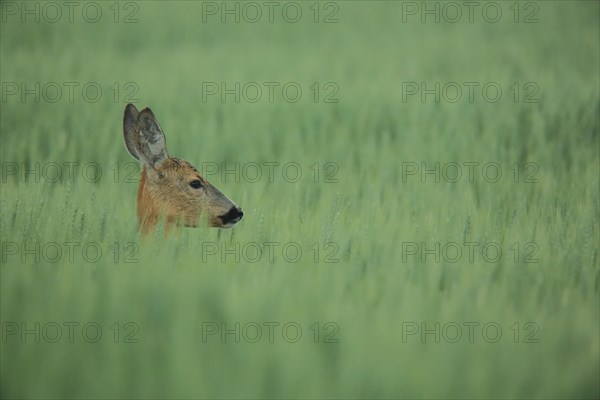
x,y
129,122
144,138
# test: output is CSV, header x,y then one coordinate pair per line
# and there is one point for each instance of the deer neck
x,y
148,210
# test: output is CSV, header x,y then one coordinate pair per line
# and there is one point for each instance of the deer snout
x,y
232,217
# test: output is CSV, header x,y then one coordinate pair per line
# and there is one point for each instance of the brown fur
x,y
165,189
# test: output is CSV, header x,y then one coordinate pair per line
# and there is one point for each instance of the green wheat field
x,y
420,194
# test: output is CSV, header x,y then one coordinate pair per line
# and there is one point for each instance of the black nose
x,y
233,215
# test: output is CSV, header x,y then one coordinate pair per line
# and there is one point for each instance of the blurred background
x,y
345,131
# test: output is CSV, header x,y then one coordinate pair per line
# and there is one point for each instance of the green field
x,y
431,247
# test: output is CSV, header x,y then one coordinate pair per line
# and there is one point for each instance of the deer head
x,y
169,187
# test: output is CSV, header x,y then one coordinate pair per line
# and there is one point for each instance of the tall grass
x,y
178,287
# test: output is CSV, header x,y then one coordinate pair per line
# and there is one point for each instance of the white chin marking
x,y
229,225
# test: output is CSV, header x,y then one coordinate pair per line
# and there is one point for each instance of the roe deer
x,y
170,187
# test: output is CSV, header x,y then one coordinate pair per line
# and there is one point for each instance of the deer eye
x,y
196,184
